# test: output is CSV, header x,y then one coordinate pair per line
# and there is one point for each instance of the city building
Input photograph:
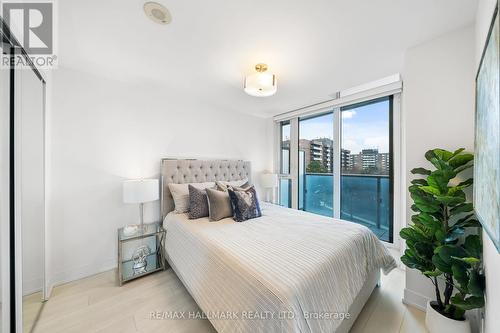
x,y
368,161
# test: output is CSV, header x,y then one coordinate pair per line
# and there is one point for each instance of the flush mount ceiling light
x,y
261,84
157,13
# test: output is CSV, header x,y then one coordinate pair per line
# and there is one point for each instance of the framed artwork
x,y
487,135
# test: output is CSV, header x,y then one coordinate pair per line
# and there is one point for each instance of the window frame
x,y
395,152
390,99
305,118
279,156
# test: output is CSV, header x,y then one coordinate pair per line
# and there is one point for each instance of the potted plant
x,y
443,240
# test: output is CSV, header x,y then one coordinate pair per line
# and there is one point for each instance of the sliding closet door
x,y
4,196
30,194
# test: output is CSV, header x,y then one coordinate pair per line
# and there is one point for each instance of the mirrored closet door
x,y
22,176
30,191
4,195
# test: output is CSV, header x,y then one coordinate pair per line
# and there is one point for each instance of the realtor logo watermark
x,y
32,24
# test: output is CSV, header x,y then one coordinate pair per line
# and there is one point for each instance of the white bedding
x,y
276,273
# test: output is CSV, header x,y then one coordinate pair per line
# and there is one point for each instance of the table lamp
x,y
140,191
269,181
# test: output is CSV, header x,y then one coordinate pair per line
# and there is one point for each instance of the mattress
x,y
287,271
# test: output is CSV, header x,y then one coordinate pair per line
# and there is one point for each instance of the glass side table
x,y
140,253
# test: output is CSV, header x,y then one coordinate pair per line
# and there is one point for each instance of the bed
x,y
287,271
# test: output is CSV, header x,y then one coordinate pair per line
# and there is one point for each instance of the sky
x,y
363,127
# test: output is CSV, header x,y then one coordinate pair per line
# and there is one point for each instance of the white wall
x,y
438,106
103,131
491,255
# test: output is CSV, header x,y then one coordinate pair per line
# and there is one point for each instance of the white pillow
x,y
180,194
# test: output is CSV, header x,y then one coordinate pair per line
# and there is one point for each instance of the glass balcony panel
x,y
365,200
285,193
318,194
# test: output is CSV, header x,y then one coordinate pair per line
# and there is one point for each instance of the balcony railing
x,y
365,199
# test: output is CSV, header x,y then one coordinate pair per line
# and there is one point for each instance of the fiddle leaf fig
x,y
441,264
473,245
430,190
469,303
420,171
466,183
476,284
448,252
463,168
460,274
435,239
462,208
458,151
443,154
467,260
450,200
432,273
460,160
422,182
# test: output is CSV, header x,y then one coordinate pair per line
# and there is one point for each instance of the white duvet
x,y
288,271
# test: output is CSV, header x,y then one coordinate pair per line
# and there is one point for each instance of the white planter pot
x,y
437,323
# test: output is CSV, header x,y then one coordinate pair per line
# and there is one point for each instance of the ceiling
x,y
315,47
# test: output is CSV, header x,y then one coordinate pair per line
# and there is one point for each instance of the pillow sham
x,y
198,202
180,194
219,205
244,203
223,185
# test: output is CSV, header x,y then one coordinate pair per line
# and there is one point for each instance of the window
x,y
366,168
342,164
316,164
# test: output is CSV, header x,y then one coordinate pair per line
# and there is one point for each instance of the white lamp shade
x,y
141,190
260,84
269,180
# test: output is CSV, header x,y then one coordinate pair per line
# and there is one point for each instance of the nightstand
x,y
140,253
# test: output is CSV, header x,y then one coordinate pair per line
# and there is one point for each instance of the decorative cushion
x,y
180,194
244,203
223,185
198,202
219,205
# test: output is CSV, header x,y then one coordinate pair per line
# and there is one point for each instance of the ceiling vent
x,y
157,13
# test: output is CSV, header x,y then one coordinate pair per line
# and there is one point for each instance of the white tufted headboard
x,y
181,171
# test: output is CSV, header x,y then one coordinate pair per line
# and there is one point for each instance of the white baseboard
x,y
417,300
78,273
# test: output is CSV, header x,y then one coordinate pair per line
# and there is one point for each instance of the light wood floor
x,y
97,304
32,305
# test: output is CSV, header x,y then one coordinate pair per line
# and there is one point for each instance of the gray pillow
x,y
198,202
223,185
219,205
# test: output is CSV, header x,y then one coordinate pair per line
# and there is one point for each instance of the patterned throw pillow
x,y
198,202
180,194
245,203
